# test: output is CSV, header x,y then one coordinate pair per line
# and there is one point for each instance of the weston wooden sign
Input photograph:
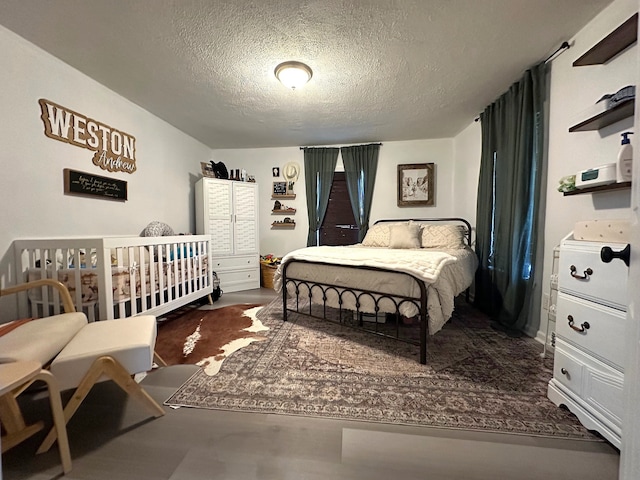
x,y
115,150
87,184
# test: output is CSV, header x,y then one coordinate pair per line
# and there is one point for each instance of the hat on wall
x,y
291,172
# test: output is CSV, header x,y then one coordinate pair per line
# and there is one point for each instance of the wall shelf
x,y
611,45
284,211
283,225
600,188
290,196
619,112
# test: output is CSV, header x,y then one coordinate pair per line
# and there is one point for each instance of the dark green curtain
x,y
360,167
513,132
319,166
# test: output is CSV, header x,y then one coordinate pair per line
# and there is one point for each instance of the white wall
x,y
572,90
31,182
259,162
467,150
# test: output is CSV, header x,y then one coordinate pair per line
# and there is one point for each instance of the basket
x,y
267,271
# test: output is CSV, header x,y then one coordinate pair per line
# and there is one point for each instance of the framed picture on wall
x,y
416,184
279,189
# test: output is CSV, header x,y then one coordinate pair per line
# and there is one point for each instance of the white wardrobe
x,y
228,211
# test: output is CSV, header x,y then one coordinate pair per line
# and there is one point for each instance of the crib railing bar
x,y
153,268
161,275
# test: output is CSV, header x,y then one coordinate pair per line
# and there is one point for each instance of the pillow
x,y
378,235
404,236
443,236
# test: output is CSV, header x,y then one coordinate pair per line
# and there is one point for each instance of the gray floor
x,y
112,437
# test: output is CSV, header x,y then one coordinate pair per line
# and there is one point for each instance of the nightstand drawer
x,y
581,272
593,327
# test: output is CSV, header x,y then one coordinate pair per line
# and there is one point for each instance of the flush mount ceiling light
x,y
293,74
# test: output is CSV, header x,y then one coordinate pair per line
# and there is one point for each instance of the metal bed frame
x,y
307,287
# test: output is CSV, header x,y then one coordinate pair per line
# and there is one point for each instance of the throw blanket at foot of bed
x,y
446,273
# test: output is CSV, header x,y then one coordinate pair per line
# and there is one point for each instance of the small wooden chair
x,y
78,354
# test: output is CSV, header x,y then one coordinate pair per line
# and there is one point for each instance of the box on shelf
x,y
602,175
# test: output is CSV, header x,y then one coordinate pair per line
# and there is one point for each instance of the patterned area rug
x,y
476,378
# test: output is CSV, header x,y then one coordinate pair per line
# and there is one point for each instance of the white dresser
x,y
588,369
228,211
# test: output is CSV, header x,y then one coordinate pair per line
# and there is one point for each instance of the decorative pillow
x,y
404,236
443,236
378,235
157,229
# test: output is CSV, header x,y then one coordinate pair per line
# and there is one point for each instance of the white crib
x,y
115,277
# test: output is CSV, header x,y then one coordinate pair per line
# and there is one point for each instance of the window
x,y
339,226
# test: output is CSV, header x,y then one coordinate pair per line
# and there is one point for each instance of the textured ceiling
x,y
383,70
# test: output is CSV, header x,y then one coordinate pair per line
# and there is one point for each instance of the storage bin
x,y
267,271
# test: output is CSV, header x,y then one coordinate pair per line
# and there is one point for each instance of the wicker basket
x,y
267,272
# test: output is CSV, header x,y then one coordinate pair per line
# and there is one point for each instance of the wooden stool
x,y
106,350
15,378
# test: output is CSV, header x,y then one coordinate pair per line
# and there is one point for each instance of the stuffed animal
x,y
157,229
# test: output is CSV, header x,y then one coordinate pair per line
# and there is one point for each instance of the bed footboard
x,y
374,311
115,277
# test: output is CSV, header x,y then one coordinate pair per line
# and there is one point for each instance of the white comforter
x,y
447,273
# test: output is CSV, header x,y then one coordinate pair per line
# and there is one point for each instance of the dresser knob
x,y
586,274
584,326
564,371
607,254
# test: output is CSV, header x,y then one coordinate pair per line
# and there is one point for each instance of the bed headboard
x,y
447,220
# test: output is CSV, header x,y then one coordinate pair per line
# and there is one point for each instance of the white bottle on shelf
x,y
625,159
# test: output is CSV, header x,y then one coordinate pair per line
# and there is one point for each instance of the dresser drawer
x,y
582,272
598,386
235,281
567,370
602,328
236,262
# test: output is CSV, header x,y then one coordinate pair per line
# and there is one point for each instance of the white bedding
x,y
447,273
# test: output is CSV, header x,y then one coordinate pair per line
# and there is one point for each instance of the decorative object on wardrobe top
x,y
214,170
293,74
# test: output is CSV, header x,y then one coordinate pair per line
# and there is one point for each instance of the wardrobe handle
x,y
564,371
581,328
586,274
